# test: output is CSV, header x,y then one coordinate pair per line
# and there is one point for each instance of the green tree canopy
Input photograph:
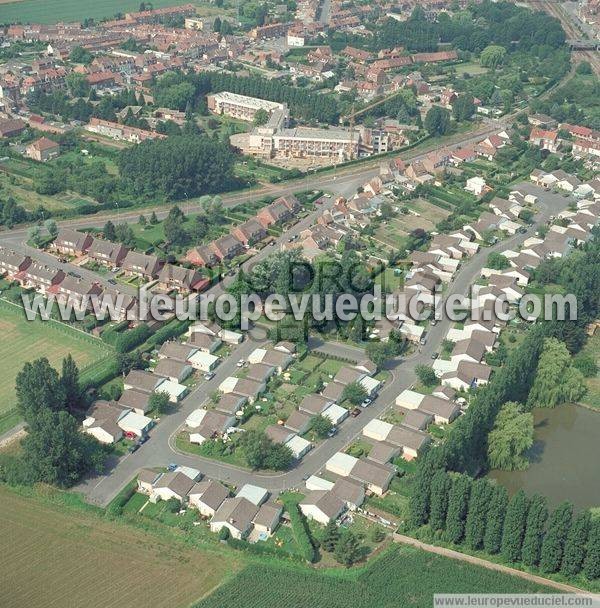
x,y
510,438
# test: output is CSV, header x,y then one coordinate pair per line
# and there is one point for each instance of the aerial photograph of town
x,y
299,303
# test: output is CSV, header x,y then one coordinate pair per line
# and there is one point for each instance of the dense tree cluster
x,y
479,515
176,90
177,167
498,23
55,450
262,453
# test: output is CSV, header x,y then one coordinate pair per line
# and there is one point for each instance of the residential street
x,y
161,450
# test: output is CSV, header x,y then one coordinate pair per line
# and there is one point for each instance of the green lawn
x,y
52,11
389,280
24,341
403,576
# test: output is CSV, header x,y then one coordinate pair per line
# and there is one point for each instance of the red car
x,y
355,412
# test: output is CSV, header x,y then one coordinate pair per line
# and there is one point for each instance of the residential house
x,y
322,506
12,263
207,496
467,375
203,255
267,518
72,242
77,292
184,280
173,484
142,265
375,476
241,386
107,253
227,247
235,514
314,404
40,277
176,371
546,140
250,232
142,381
43,149
136,400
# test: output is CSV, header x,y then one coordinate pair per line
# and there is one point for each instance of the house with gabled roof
x,y
12,263
184,280
72,242
107,253
322,506
250,232
142,265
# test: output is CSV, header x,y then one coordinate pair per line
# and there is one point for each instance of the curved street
x,y
161,450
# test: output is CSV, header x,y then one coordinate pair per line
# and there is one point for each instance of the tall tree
x,y
38,387
347,550
591,564
556,381
70,381
534,530
437,121
575,545
109,231
514,527
441,484
553,546
510,437
479,504
492,540
331,536
458,506
57,452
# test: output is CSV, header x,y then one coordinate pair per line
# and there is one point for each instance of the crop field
x,y
404,576
52,11
53,557
24,341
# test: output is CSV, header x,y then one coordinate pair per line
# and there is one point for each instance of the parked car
x,y
332,431
423,341
435,355
112,281
241,363
143,439
209,375
133,448
366,402
74,274
172,467
355,412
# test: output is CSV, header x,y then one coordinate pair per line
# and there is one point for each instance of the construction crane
x,y
350,119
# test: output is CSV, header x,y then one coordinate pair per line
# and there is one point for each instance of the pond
x,y
565,458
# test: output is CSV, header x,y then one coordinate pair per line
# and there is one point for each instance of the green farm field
x,y
55,555
23,341
404,576
52,11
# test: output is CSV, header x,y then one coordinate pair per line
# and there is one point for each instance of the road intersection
x,y
161,449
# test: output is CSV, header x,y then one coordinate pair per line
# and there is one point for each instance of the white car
x,y
241,363
366,402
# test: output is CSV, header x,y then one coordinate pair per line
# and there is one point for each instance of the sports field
x,y
52,11
22,341
405,576
55,557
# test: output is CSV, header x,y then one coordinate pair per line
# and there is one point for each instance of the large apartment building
x,y
241,106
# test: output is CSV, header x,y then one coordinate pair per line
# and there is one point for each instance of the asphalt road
x,y
161,450
343,181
